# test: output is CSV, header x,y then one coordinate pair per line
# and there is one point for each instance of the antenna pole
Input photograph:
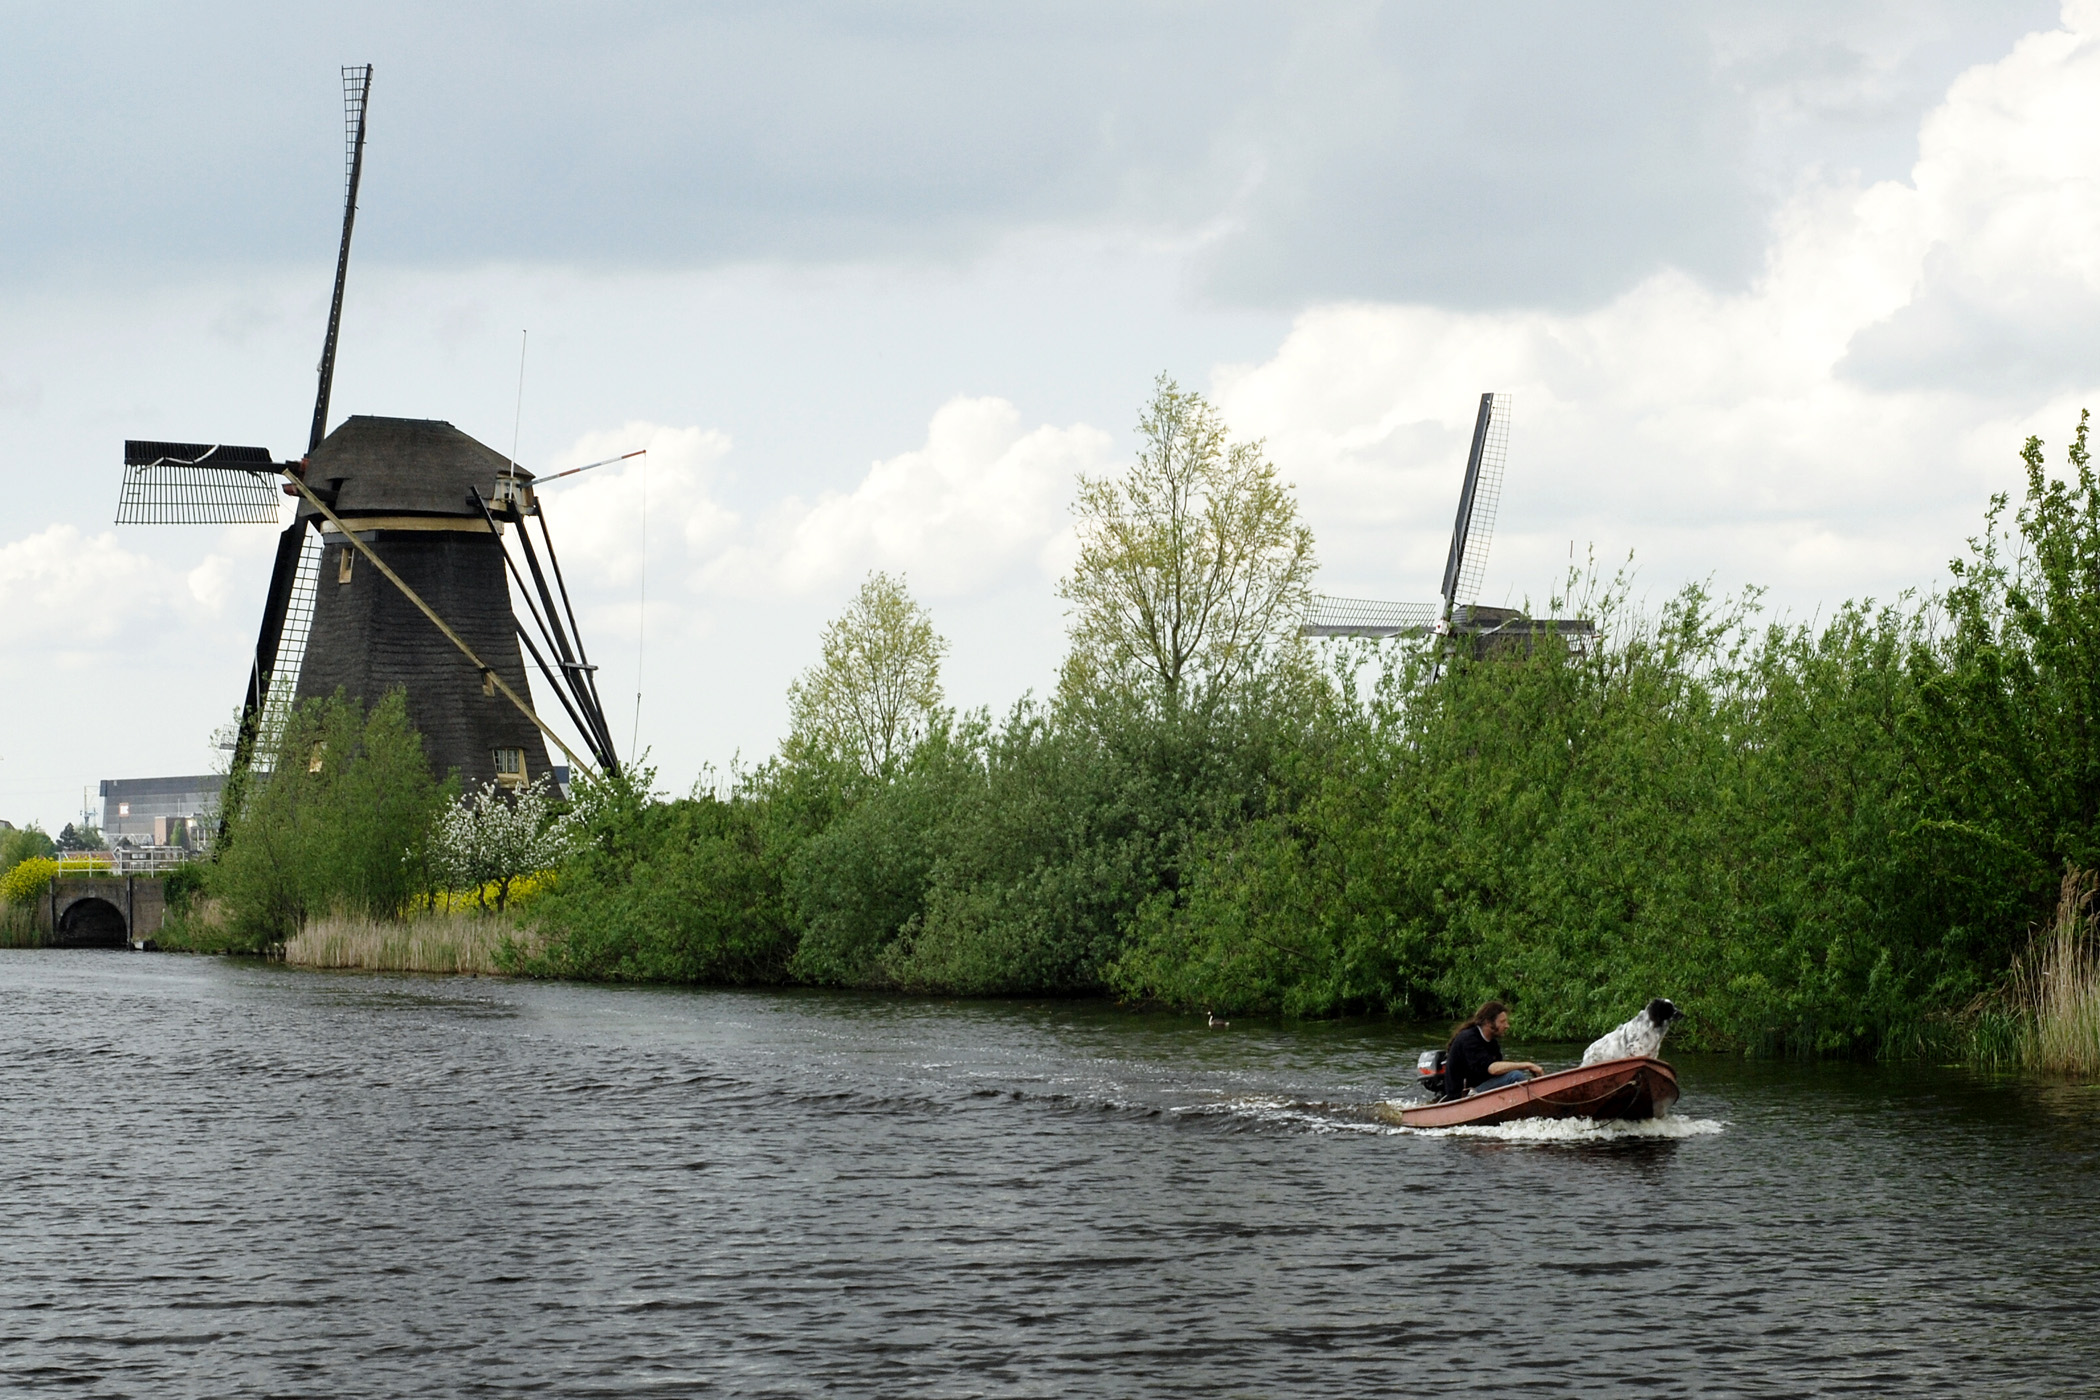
x,y
357,87
1455,561
518,416
641,620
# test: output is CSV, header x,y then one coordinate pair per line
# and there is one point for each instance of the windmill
x,y
1457,614
395,570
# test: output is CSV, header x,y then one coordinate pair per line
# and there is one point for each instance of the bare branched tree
x,y
875,691
1191,563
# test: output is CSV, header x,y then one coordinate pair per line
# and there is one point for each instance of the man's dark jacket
x,y
1466,1061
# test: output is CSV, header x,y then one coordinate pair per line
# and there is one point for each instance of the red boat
x,y
1611,1090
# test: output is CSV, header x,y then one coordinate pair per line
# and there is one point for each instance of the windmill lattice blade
x,y
197,483
1364,617
357,92
283,681
357,82
1487,495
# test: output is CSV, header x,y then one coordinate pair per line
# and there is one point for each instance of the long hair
x,y
1482,1018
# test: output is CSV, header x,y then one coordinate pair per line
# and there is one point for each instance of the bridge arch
x,y
90,921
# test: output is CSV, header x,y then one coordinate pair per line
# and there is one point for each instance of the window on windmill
x,y
313,759
510,767
345,558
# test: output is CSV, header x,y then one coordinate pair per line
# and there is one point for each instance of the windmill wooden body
x,y
1457,615
395,571
409,489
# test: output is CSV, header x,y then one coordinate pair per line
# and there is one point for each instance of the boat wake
x,y
1555,1131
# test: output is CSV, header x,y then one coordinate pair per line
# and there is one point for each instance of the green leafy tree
x,y
878,686
81,838
1192,565
342,821
24,843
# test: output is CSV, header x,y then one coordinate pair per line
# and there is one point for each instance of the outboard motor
x,y
1429,1073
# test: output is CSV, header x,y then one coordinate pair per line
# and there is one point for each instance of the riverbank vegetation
x,y
1835,837
422,941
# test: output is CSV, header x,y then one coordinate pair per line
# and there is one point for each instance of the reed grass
x,y
18,927
2057,985
424,942
2048,1016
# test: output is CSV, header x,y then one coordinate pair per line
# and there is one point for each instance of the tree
x,y
81,838
1190,564
341,822
871,697
493,837
27,843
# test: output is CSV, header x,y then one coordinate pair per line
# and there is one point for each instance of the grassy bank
x,y
420,943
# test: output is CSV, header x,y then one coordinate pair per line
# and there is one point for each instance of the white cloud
x,y
1779,435
597,517
62,589
975,505
211,583
980,502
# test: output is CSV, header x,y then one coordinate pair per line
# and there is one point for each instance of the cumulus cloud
x,y
980,501
1832,425
979,504
597,516
65,589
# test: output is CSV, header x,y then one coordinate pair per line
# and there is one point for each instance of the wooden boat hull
x,y
1613,1090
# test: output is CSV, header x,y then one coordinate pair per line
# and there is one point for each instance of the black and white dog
x,y
1643,1035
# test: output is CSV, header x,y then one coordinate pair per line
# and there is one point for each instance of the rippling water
x,y
227,1178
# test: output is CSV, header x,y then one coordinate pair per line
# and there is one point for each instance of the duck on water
x,y
1619,1077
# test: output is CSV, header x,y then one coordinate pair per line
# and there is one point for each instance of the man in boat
x,y
1474,1062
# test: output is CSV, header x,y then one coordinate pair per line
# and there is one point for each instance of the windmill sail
x,y
1365,617
1458,614
282,639
1466,565
197,483
357,87
280,681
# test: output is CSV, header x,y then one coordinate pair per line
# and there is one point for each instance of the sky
x,y
1777,291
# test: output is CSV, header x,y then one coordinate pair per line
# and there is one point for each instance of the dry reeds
x,y
419,943
2055,987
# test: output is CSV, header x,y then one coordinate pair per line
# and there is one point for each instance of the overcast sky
x,y
1778,291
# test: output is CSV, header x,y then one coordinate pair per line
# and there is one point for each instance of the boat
x,y
1611,1090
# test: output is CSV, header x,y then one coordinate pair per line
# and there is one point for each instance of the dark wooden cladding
x,y
368,639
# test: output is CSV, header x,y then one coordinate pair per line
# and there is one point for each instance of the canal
x,y
233,1178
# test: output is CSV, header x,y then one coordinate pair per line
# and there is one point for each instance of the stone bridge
x,y
102,911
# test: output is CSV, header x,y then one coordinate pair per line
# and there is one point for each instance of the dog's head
x,y
1661,1012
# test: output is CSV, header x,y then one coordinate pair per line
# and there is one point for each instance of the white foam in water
x,y
1572,1130
1287,1112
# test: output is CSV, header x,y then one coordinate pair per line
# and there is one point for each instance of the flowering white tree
x,y
495,836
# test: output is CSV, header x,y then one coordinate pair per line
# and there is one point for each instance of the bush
x,y
25,843
341,823
686,891
26,882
